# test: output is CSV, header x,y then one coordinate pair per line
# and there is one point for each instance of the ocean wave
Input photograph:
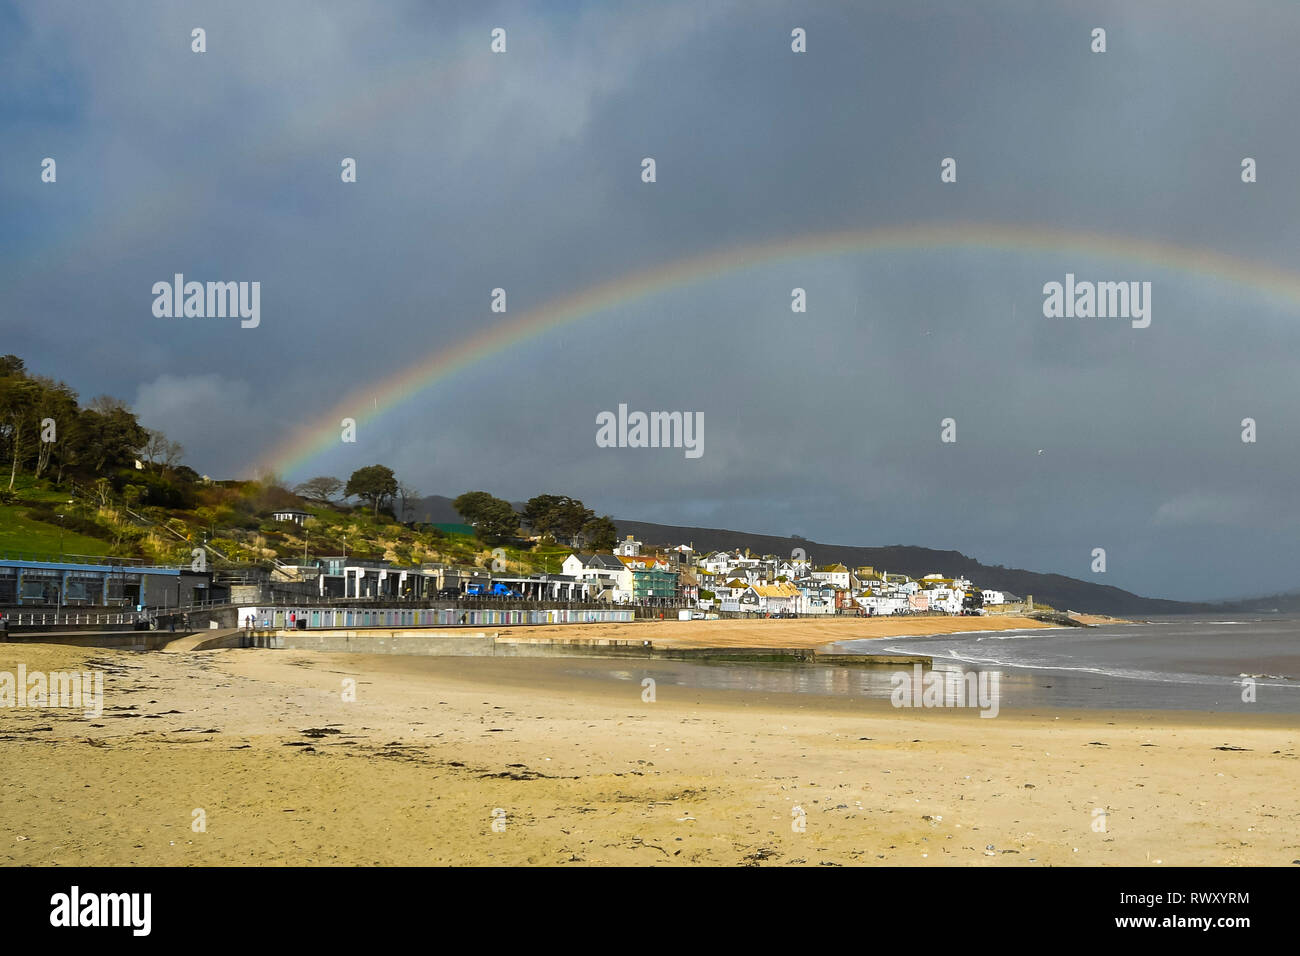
x,y
1160,677
1267,676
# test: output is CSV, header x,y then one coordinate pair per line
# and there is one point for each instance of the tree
x,y
408,495
322,488
600,533
103,489
18,399
373,483
132,494
58,403
472,505
539,512
159,450
571,516
43,426
69,451
491,518
269,495
558,515
111,434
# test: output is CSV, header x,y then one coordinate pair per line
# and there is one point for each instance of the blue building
x,y
113,583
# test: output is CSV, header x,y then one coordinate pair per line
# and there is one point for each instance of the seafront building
x,y
90,581
732,583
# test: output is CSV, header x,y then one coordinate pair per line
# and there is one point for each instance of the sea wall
x,y
423,641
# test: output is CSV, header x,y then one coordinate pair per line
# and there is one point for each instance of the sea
x,y
1249,664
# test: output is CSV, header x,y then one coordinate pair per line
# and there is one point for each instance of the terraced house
x,y
782,598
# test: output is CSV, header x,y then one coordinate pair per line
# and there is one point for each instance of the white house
x,y
603,572
818,596
628,547
718,562
790,570
750,575
879,605
730,589
836,575
770,599
291,514
945,599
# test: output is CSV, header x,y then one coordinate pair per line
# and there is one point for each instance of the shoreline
x,y
557,676
587,772
774,633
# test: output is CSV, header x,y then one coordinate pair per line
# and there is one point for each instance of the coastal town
x,y
697,585
106,517
768,585
714,583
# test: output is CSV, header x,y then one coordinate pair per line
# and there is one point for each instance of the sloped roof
x,y
776,590
647,560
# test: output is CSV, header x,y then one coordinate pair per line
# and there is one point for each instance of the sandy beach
x,y
579,771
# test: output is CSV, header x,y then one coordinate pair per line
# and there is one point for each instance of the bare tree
x,y
409,496
173,452
159,450
323,488
103,489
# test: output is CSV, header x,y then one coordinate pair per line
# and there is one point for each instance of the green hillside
x,y
89,479
21,536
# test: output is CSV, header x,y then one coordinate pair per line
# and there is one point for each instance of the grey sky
x,y
522,171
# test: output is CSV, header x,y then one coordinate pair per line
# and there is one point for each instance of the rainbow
x,y
371,401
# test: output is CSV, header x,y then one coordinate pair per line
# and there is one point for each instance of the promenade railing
x,y
316,618
56,618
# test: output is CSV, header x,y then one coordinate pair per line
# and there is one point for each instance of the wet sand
x,y
585,772
775,633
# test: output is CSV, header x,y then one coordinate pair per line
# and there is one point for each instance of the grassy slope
x,y
326,535
19,533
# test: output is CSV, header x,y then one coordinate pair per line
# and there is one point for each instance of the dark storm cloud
x,y
522,171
